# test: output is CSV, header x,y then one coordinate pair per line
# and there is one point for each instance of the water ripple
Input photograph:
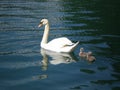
x,y
92,22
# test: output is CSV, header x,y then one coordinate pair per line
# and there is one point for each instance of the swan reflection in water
x,y
56,58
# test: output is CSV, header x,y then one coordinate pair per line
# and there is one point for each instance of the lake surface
x,y
25,66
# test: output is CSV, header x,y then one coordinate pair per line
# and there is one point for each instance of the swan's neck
x,y
88,56
81,51
45,35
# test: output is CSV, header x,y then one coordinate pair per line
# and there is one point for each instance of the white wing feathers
x,y
60,42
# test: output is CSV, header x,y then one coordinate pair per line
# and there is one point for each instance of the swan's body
x,y
62,44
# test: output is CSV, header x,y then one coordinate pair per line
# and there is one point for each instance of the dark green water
x,y
24,66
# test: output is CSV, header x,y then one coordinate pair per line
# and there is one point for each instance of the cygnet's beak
x,y
41,23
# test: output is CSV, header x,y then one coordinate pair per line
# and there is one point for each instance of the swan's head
x,y
43,22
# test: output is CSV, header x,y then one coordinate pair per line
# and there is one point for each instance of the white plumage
x,y
62,44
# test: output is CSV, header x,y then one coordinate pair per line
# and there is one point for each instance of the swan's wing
x,y
60,42
61,45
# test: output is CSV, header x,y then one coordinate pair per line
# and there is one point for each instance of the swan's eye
x,y
41,22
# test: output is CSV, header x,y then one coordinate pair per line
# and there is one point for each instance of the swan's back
x,y
61,45
60,42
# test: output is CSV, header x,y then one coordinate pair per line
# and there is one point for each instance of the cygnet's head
x,y
89,53
43,22
81,49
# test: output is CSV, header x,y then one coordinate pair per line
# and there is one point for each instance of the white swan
x,y
62,44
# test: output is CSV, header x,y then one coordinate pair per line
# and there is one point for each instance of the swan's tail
x,y
69,48
73,47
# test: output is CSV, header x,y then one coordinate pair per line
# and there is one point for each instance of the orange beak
x,y
40,24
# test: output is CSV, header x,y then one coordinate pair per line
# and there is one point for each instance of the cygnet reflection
x,y
57,58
